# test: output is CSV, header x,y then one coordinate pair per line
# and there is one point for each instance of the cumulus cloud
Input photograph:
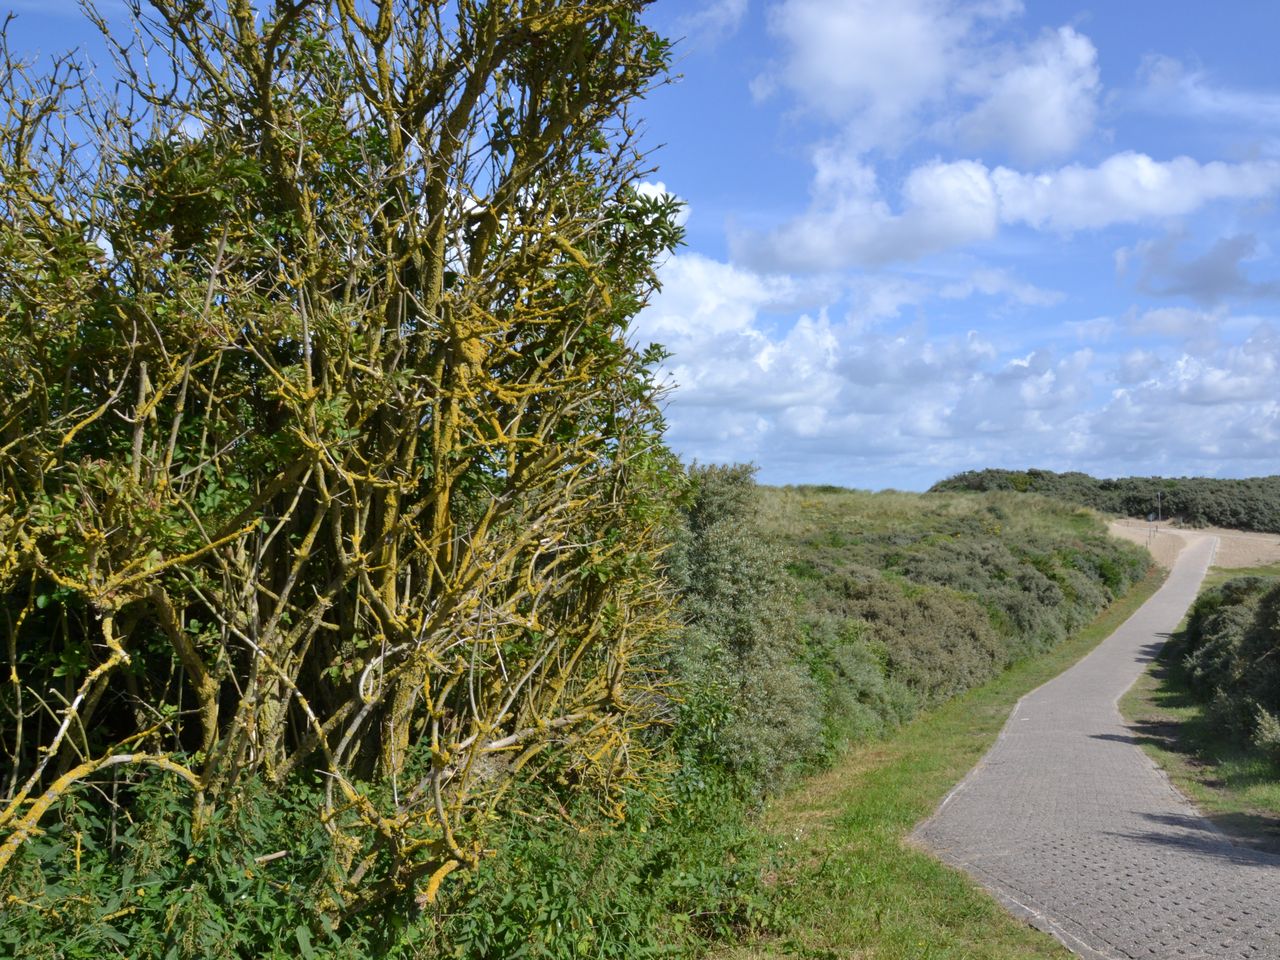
x,y
892,72
885,77
1178,322
1214,276
702,297
946,204
714,21
1127,187
1137,366
850,221
1040,102
897,403
876,63
848,341
1205,414
992,282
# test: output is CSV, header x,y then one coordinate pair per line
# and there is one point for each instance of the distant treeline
x,y
1250,504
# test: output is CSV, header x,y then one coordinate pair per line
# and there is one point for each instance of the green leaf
x,y
304,942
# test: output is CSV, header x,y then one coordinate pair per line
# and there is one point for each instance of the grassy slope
x,y
794,514
1237,788
848,884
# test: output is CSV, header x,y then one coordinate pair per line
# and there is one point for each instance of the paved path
x,y
1074,828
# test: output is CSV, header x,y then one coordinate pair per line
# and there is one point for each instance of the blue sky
x,y
929,235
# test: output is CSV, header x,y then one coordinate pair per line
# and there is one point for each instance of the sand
x,y
1236,548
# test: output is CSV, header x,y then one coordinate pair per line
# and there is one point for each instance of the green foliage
x,y
909,600
1232,637
675,874
333,495
811,620
749,702
1266,734
851,882
135,880
816,616
1248,504
862,699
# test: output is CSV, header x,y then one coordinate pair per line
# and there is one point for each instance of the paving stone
x,y
1078,831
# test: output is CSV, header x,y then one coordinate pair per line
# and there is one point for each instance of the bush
x,y
572,883
330,473
750,702
861,701
1232,642
1266,734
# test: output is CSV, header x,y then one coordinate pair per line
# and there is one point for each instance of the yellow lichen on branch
x,y
326,458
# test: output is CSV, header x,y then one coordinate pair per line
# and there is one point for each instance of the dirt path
x,y
1073,827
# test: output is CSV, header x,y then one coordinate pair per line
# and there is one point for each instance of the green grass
x,y
1220,575
850,884
1236,787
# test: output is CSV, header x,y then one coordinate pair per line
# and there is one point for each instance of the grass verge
x,y
851,887
1236,787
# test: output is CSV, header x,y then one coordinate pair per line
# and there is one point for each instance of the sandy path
x,y
1236,548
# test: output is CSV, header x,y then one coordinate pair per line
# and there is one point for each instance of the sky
x,y
926,236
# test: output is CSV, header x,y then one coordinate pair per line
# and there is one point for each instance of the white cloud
x,y
877,404
941,125
714,21
892,72
876,62
1042,104
1168,87
702,297
882,296
1127,187
992,282
1137,366
850,222
1177,322
946,204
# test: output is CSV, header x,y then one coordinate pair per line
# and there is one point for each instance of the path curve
x,y
1077,830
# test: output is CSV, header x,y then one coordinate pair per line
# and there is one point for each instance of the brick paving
x,y
1076,830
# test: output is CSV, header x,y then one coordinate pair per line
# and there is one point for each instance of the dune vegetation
x,y
1207,709
1246,504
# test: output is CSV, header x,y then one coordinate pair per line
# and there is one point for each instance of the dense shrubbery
x,y
332,488
748,695
1250,504
811,619
1231,646
907,600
